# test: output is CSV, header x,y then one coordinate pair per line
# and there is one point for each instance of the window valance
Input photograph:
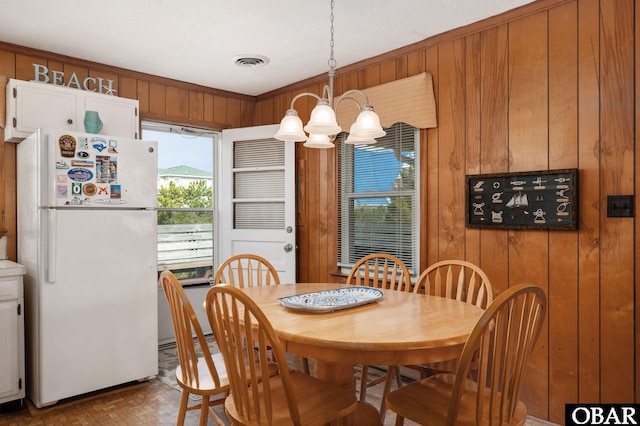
x,y
409,100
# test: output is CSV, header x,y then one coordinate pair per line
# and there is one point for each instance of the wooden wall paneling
x,y
220,109
195,105
114,77
344,82
528,150
10,217
7,64
158,99
24,67
177,102
589,201
494,149
234,112
616,177
388,71
402,67
78,73
259,114
637,199
302,226
417,61
369,77
472,83
143,96
207,108
325,186
315,252
429,192
451,138
247,113
128,88
275,105
563,246
52,66
7,68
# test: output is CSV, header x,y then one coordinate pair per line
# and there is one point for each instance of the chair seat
x,y
318,402
205,381
426,402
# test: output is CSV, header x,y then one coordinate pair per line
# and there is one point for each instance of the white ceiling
x,y
196,40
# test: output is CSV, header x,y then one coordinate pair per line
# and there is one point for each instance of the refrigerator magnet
x,y
62,191
67,145
89,189
115,191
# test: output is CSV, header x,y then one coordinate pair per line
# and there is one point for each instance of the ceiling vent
x,y
250,61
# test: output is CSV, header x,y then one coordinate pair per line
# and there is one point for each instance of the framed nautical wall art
x,y
546,199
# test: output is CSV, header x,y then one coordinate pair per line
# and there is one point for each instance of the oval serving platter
x,y
331,300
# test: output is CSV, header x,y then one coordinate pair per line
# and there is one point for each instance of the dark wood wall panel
x,y
617,177
451,138
430,189
563,153
548,89
637,185
472,128
528,150
590,195
494,148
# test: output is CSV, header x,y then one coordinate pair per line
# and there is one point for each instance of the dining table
x,y
395,328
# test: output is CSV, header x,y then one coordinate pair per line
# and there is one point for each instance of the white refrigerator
x,y
87,236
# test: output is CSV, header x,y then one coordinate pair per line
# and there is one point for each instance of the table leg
x,y
342,375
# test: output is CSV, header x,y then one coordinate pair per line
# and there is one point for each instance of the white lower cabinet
x,y
12,385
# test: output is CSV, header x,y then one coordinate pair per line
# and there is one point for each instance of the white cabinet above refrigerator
x,y
32,105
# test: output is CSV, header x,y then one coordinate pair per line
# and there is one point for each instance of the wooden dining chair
x,y
251,270
203,375
499,346
454,279
287,398
246,270
380,270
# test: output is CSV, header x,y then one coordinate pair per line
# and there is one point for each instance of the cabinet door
x,y
118,115
36,105
9,349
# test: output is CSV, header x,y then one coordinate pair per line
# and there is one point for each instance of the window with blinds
x,y
379,197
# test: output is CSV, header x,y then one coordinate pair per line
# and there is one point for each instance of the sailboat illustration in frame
x,y
519,202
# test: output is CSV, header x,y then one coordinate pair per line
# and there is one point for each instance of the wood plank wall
x,y
548,86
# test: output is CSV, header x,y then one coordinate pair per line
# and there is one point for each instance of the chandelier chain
x,y
332,62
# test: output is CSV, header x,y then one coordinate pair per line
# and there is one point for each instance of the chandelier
x,y
323,127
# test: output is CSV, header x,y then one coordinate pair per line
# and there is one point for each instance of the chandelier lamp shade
x,y
323,127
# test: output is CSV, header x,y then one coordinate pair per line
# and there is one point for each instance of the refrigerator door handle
x,y
51,247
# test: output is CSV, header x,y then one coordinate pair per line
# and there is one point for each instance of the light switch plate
x,y
620,205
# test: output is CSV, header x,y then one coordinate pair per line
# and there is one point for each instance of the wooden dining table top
x,y
399,329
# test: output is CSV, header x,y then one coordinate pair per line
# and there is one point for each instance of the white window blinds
x,y
379,197
258,184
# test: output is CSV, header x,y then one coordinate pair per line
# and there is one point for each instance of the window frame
x,y
216,138
345,201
